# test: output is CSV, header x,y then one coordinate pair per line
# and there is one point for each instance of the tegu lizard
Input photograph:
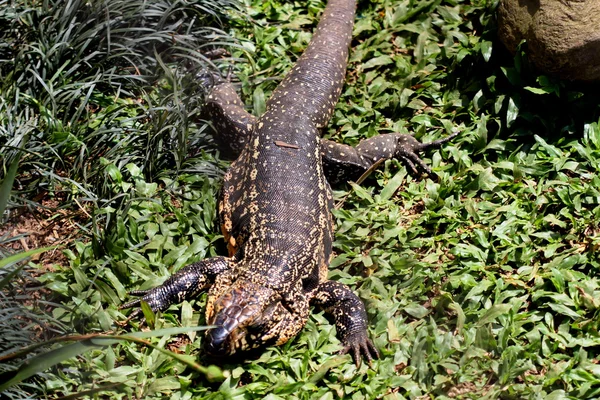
x,y
275,206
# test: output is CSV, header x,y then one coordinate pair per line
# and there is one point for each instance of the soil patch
x,y
46,225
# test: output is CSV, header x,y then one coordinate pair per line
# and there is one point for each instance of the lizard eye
x,y
263,331
266,316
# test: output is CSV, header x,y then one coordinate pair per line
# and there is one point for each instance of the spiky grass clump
x,y
85,82
86,89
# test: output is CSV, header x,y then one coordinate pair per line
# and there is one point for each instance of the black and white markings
x,y
275,206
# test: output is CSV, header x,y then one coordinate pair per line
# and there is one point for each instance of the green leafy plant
x,y
86,88
85,343
479,283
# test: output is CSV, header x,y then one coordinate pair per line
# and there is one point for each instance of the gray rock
x,y
563,36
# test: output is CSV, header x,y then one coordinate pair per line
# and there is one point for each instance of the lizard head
x,y
247,316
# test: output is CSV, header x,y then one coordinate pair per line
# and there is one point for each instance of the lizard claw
x,y
409,147
359,345
208,79
150,296
136,302
436,143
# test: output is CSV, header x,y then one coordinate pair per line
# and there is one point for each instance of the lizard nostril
x,y
216,341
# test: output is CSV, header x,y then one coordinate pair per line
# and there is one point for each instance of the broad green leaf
x,y
326,367
7,183
361,192
492,313
15,258
486,50
258,100
393,185
536,90
512,112
377,61
149,314
84,343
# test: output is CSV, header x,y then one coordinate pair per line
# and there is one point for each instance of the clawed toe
x,y
132,303
139,292
135,314
208,79
136,302
436,143
360,346
410,147
414,162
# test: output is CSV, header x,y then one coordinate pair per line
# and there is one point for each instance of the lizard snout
x,y
235,311
216,341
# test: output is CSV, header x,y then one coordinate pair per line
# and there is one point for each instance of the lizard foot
x,y
154,298
408,150
359,345
211,78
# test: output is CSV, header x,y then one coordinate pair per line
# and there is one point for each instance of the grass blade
x,y
83,343
7,182
16,258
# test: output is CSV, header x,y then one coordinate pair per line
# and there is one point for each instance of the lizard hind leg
x,y
225,110
343,163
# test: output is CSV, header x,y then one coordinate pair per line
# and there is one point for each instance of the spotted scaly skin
x,y
275,206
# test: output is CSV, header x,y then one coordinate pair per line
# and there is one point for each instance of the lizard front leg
x,y
343,163
185,284
350,319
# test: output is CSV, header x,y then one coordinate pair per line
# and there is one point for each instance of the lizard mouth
x,y
217,343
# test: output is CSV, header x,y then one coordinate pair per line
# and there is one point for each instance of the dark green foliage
x,y
21,322
86,82
481,284
86,88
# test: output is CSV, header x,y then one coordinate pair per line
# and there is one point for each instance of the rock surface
x,y
563,36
